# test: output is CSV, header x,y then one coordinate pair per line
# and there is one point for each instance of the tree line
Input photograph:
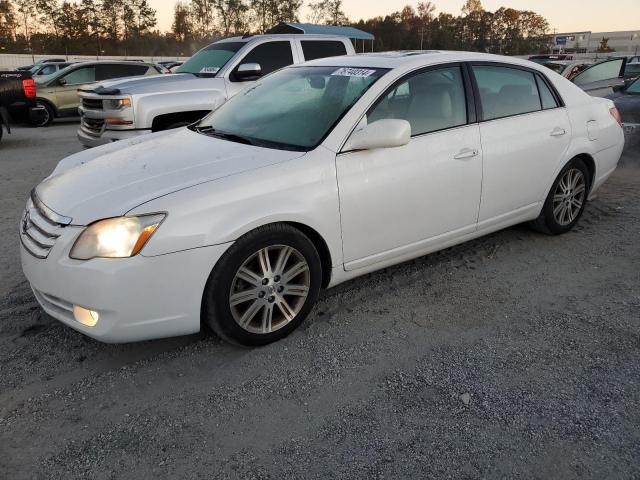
x,y
129,27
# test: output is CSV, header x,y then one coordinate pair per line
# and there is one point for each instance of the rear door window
x,y
313,49
270,56
546,96
80,75
506,91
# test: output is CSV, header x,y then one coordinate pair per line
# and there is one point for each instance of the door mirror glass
x,y
387,133
248,71
62,81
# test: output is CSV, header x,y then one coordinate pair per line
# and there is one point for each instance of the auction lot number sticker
x,y
353,72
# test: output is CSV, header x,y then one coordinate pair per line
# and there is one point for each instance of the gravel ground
x,y
513,356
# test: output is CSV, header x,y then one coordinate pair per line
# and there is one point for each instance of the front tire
x,y
566,200
263,287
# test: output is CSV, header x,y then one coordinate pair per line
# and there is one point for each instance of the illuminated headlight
x,y
116,103
118,237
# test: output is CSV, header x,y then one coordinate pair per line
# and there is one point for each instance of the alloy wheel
x,y
569,196
269,289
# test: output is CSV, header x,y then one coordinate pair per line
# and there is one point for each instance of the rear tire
x,y
263,287
48,116
566,200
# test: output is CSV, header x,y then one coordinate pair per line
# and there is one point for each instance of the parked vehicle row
x,y
313,175
57,94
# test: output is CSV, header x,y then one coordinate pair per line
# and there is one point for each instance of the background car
x,y
40,62
627,102
17,98
48,68
631,72
58,93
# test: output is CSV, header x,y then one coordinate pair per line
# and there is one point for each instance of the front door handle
x,y
558,132
466,153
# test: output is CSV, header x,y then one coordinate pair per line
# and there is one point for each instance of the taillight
x,y
29,88
616,114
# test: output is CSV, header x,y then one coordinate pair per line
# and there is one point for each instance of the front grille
x,y
92,103
92,125
39,230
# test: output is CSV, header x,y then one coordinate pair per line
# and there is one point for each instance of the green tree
x,y
8,23
233,15
328,12
182,26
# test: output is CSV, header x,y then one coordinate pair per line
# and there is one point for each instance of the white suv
x,y
127,108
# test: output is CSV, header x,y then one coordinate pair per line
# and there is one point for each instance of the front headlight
x,y
116,103
118,237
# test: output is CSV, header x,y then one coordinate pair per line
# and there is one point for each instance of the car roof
x,y
282,36
398,59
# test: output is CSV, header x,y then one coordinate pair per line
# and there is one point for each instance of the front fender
x,y
302,190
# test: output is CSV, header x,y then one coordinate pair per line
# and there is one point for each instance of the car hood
x,y
109,181
156,84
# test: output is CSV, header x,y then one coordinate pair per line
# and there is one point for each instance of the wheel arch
x,y
50,104
590,162
160,122
321,246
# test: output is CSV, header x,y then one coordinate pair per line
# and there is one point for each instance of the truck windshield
x,y
211,59
292,109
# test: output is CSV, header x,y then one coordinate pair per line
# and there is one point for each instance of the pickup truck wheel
x,y
47,117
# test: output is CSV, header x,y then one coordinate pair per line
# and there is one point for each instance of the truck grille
x,y
92,103
92,126
38,230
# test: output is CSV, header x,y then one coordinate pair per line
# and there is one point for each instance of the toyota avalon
x,y
315,174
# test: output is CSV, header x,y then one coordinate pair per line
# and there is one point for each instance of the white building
x,y
626,43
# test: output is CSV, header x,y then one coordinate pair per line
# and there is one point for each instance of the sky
x,y
563,15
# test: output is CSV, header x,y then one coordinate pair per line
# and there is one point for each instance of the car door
x,y
397,201
603,78
525,132
66,92
271,56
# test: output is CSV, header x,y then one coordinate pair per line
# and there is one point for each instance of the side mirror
x,y
62,82
387,133
248,71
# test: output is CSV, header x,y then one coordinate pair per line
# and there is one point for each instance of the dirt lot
x,y
513,356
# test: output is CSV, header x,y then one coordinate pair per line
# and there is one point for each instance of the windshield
x,y
292,109
211,59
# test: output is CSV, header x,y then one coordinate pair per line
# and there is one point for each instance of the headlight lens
x,y
118,237
116,103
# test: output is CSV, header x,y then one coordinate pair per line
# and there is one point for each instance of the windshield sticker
x,y
353,72
209,70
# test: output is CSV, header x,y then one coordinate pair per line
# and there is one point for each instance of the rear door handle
x,y
466,153
558,132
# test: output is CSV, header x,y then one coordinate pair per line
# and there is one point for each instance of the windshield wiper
x,y
232,137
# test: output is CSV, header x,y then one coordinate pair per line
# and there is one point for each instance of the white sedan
x,y
314,175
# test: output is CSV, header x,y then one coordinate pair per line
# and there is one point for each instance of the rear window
x,y
322,49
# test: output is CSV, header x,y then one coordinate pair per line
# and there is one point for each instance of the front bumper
x,y
107,136
138,298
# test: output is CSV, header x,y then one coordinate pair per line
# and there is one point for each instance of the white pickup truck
x,y
125,108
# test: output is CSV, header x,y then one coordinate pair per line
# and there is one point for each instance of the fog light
x,y
85,316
